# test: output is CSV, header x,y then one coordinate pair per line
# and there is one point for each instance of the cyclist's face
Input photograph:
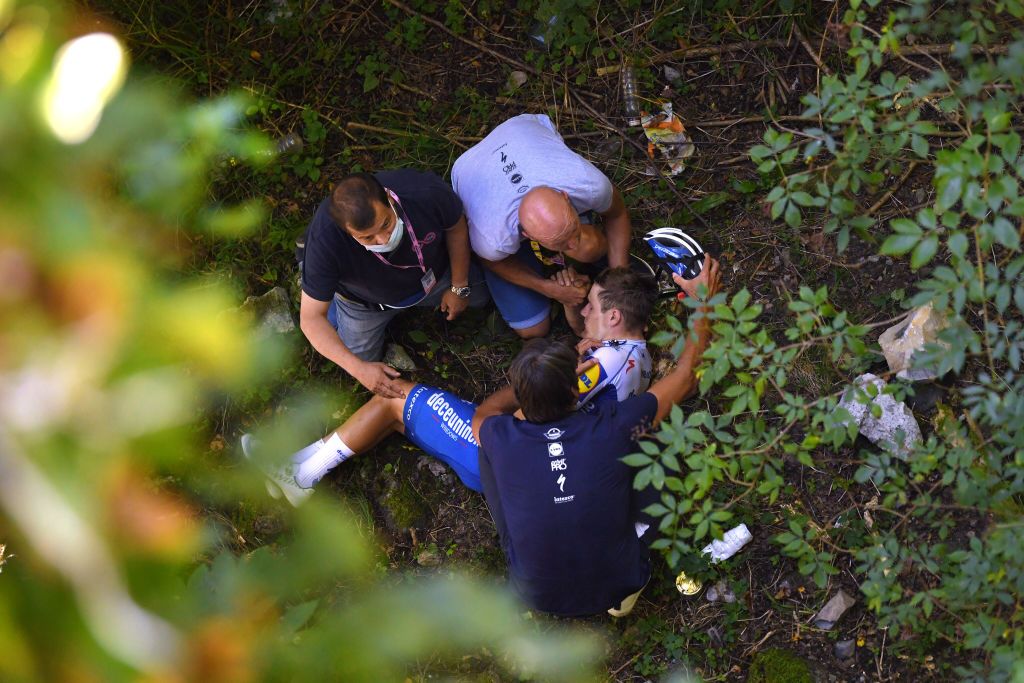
x,y
594,323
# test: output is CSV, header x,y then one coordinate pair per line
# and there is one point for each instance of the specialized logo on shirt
x,y
555,449
561,482
453,425
553,433
632,364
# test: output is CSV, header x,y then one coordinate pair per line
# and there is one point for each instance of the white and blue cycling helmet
x,y
677,251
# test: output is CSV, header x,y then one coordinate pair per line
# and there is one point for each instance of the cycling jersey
x,y
440,422
623,369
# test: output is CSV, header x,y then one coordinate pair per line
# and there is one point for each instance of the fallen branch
x,y
522,66
355,125
947,48
810,50
697,52
888,193
483,48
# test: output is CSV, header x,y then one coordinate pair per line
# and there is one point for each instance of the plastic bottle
x,y
731,542
289,143
630,106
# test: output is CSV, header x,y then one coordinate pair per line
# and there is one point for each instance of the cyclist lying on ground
x,y
618,307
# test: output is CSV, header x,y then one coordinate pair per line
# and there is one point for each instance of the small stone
x,y
606,149
434,466
516,80
720,591
271,312
268,525
672,74
833,610
844,649
398,358
428,558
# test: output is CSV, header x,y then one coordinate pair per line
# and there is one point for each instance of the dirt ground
x,y
442,91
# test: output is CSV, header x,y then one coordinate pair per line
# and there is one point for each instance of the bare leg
x,y
375,420
541,329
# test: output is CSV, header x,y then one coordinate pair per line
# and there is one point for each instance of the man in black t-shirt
x,y
555,482
378,244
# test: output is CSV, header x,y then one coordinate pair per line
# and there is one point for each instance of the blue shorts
x,y
441,424
519,306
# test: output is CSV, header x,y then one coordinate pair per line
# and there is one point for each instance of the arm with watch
x,y
455,300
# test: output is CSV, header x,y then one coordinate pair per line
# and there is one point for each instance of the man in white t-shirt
x,y
527,197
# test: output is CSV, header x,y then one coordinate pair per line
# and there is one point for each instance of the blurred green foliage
x,y
109,347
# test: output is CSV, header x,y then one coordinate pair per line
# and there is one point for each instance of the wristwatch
x,y
461,292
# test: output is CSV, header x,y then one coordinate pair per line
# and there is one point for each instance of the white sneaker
x,y
280,480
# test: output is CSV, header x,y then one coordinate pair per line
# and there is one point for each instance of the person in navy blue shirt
x,y
379,244
554,479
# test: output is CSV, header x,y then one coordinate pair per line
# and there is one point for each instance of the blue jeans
x,y
361,328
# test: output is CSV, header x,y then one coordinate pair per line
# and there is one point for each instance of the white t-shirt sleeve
x,y
589,189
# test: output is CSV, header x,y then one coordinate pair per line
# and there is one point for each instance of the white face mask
x,y
396,238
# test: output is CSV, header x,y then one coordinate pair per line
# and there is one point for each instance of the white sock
x,y
300,456
332,453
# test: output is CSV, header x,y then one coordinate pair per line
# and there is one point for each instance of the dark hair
x,y
352,201
633,293
544,378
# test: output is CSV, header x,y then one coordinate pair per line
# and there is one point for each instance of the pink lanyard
x,y
412,238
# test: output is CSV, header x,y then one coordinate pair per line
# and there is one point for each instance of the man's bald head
x,y
548,217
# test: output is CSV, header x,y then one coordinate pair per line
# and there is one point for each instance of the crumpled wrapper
x,y
667,143
902,340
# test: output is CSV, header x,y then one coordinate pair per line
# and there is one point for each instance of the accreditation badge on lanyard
x,y
428,280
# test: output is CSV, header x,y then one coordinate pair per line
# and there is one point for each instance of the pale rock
x,y
516,80
833,610
271,312
720,591
883,431
398,358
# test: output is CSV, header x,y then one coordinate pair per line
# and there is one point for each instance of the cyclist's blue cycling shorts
x,y
441,424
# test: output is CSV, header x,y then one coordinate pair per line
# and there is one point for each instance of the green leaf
x,y
792,216
418,336
924,251
637,460
297,616
1005,233
650,448
740,301
920,145
802,198
950,188
897,245
905,226
957,244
